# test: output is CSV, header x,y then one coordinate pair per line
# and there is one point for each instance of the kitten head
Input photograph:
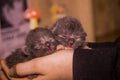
x,y
69,32
40,42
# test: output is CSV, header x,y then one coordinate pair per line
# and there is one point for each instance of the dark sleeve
x,y
118,64
94,64
117,42
100,44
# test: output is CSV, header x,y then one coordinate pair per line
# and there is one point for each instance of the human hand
x,y
57,66
4,72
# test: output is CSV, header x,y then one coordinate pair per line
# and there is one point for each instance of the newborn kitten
x,y
69,32
39,42
16,57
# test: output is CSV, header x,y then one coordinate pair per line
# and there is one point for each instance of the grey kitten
x,y
39,42
69,32
16,57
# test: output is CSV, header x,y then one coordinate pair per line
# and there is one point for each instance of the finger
x,y
40,78
5,69
24,69
2,76
20,78
4,66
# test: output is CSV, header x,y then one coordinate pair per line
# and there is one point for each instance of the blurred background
x,y
100,19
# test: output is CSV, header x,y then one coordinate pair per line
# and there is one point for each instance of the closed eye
x,y
61,36
52,40
78,39
37,46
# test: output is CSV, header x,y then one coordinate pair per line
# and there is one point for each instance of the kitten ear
x,y
53,28
25,50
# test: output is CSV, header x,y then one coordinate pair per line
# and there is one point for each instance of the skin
x,y
2,76
57,66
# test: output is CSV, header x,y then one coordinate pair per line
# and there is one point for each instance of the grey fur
x,y
69,32
39,42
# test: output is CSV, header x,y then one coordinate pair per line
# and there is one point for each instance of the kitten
x,y
39,42
69,32
16,57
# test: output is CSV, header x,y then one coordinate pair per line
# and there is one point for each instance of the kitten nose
x,y
71,41
47,44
